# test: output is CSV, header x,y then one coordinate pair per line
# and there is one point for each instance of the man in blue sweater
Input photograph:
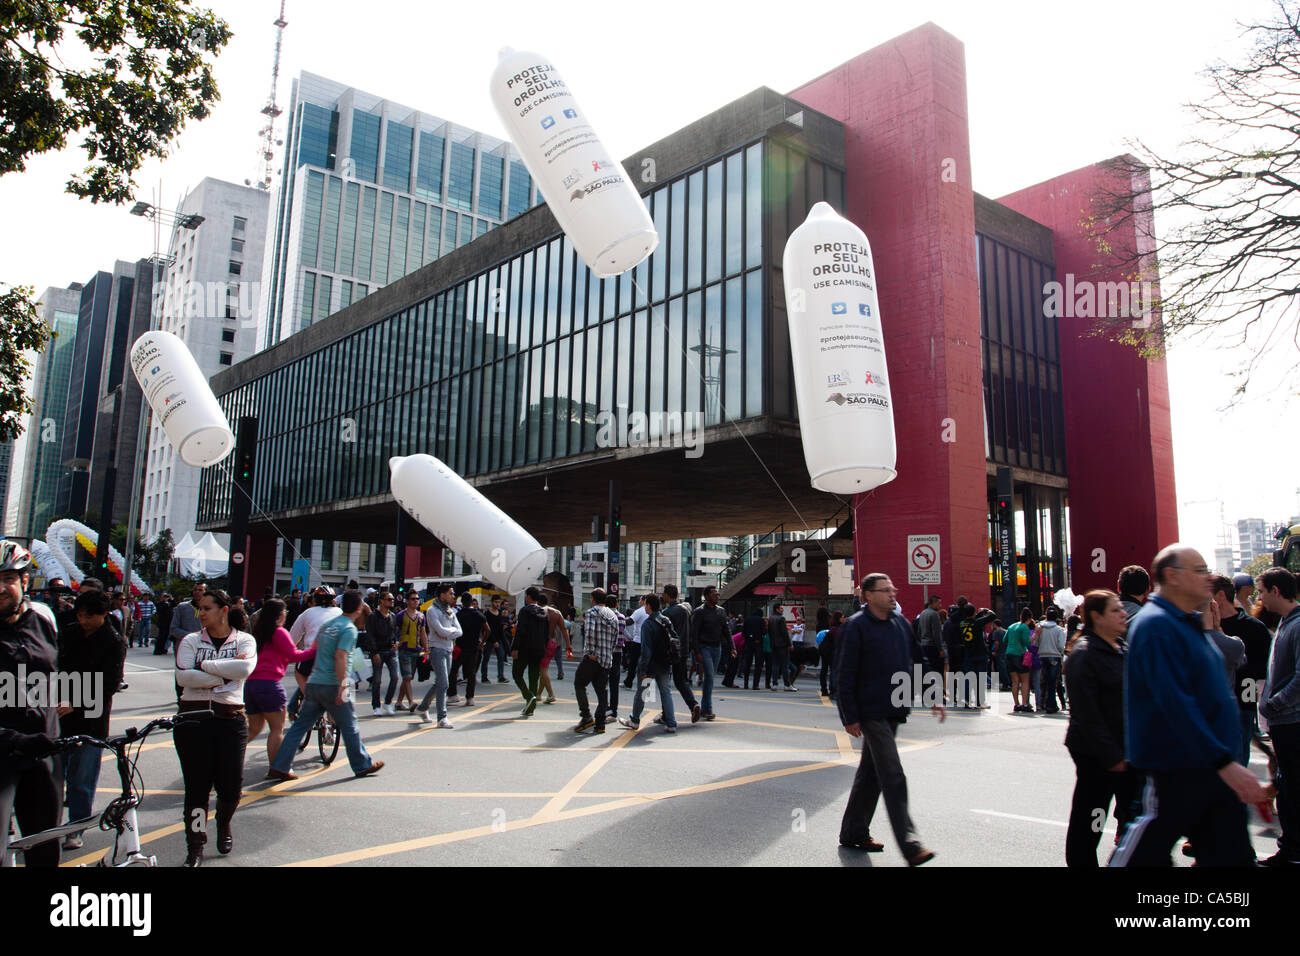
x,y
1181,725
873,655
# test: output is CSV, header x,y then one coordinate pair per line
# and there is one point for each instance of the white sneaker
x,y
444,724
379,711
469,701
453,699
792,687
388,709
72,842
425,718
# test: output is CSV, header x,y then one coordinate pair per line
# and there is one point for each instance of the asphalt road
x,y
766,784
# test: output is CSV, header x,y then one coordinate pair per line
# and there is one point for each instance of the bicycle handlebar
x,y
132,735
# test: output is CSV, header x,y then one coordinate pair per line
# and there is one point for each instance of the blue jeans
x,y
664,680
710,655
440,660
1051,673
81,774
319,699
501,660
386,659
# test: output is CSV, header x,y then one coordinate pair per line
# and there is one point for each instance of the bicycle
x,y
327,738
120,813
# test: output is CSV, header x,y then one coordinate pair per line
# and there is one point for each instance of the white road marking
x,y
1016,816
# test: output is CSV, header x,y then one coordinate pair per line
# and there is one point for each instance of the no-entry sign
x,y
923,559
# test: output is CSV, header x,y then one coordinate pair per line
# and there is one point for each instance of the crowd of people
x,y
1168,683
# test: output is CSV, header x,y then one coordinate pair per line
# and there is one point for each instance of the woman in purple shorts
x,y
264,697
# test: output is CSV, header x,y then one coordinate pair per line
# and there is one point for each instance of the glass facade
x,y
51,405
383,215
1022,361
1023,419
365,145
515,364
318,136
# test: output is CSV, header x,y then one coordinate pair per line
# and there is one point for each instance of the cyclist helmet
x,y
14,557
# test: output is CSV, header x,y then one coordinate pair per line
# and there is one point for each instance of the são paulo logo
x,y
858,398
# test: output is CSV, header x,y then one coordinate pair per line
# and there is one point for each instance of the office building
x,y
38,463
370,191
102,414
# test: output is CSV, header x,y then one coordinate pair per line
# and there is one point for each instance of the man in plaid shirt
x,y
600,632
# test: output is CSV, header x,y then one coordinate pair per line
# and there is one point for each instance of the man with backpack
x,y
660,646
679,612
532,633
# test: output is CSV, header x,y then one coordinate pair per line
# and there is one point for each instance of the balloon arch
x,y
56,555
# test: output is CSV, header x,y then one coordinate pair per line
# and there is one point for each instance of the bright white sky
x,y
1051,87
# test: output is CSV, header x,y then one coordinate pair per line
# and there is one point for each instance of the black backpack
x,y
673,642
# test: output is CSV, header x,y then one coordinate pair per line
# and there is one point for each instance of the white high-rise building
x,y
208,296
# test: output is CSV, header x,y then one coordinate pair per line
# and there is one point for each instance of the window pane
x,y
754,344
695,230
712,354
734,344
365,145
713,225
348,236
659,258
734,226
383,231
491,176
460,177
366,232
673,354
397,156
428,175
753,205
311,217
677,239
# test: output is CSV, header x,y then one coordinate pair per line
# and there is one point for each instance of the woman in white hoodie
x,y
212,731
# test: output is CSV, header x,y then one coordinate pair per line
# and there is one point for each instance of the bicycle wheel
x,y
327,739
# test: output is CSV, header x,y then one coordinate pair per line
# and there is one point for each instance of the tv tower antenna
x,y
271,110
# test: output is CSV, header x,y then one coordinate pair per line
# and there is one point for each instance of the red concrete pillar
x,y
1118,435
909,189
259,558
423,561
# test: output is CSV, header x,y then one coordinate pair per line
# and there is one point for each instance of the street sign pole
x,y
615,531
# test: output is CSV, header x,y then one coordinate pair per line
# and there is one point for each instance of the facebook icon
x,y
864,309
570,114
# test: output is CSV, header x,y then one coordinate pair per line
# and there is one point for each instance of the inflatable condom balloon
x,y
845,409
585,188
182,401
462,519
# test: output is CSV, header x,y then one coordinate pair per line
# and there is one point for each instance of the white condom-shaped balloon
x,y
182,401
453,510
586,189
845,409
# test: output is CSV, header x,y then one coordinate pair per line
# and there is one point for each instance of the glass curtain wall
x,y
516,364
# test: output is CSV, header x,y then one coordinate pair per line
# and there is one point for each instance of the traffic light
x,y
616,517
246,454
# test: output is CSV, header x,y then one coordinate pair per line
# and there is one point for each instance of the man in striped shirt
x,y
600,631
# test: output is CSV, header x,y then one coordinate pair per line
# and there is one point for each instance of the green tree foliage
x,y
21,332
125,75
